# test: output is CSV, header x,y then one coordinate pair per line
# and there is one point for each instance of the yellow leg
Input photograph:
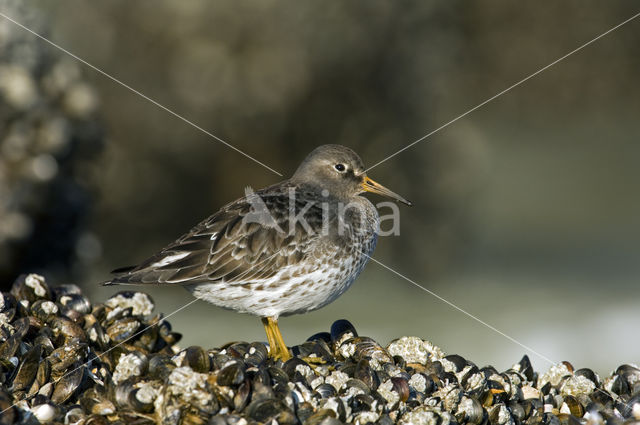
x,y
268,331
277,348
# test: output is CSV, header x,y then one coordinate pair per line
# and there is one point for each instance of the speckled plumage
x,y
309,248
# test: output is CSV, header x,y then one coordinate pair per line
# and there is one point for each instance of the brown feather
x,y
225,247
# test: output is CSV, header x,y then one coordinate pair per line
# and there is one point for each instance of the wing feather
x,y
227,247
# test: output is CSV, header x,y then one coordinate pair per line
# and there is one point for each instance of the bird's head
x,y
341,172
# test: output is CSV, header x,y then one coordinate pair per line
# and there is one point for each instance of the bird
x,y
289,248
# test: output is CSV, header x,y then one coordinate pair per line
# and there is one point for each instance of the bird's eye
x,y
340,167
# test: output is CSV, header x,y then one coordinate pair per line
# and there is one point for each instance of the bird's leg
x,y
282,347
269,332
277,348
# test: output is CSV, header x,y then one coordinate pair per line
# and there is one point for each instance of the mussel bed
x,y
66,360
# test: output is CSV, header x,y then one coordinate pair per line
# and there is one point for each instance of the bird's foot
x,y
278,353
314,361
277,348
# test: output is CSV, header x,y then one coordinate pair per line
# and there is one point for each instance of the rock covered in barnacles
x,y
424,415
129,365
386,390
337,379
188,385
577,385
140,303
554,375
415,350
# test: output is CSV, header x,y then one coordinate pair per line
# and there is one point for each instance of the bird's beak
x,y
369,185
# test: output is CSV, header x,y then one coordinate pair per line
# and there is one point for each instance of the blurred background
x,y
526,212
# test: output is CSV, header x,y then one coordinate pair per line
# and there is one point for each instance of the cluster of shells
x,y
65,360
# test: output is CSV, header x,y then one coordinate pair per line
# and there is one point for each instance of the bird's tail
x,y
119,280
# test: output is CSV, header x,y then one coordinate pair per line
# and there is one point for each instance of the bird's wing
x,y
244,242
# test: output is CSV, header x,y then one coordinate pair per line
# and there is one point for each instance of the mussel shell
x,y
631,375
277,375
238,349
8,305
313,349
620,385
95,420
489,371
65,289
291,368
123,329
341,330
323,417
626,410
148,339
122,392
63,357
197,359
357,384
96,334
42,377
8,350
44,310
257,355
74,416
494,413
337,405
401,386
602,398
530,406
27,370
304,411
325,391
575,407
464,379
367,348
68,384
138,403
231,374
65,329
76,302
493,394
45,342
160,366
473,412
258,375
361,403
321,336
517,410
589,374
96,401
458,361
264,411
449,377
364,373
30,288
565,419
262,391
242,395
45,412
526,369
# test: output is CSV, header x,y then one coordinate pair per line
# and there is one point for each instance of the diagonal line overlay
x,y
128,87
449,303
480,105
